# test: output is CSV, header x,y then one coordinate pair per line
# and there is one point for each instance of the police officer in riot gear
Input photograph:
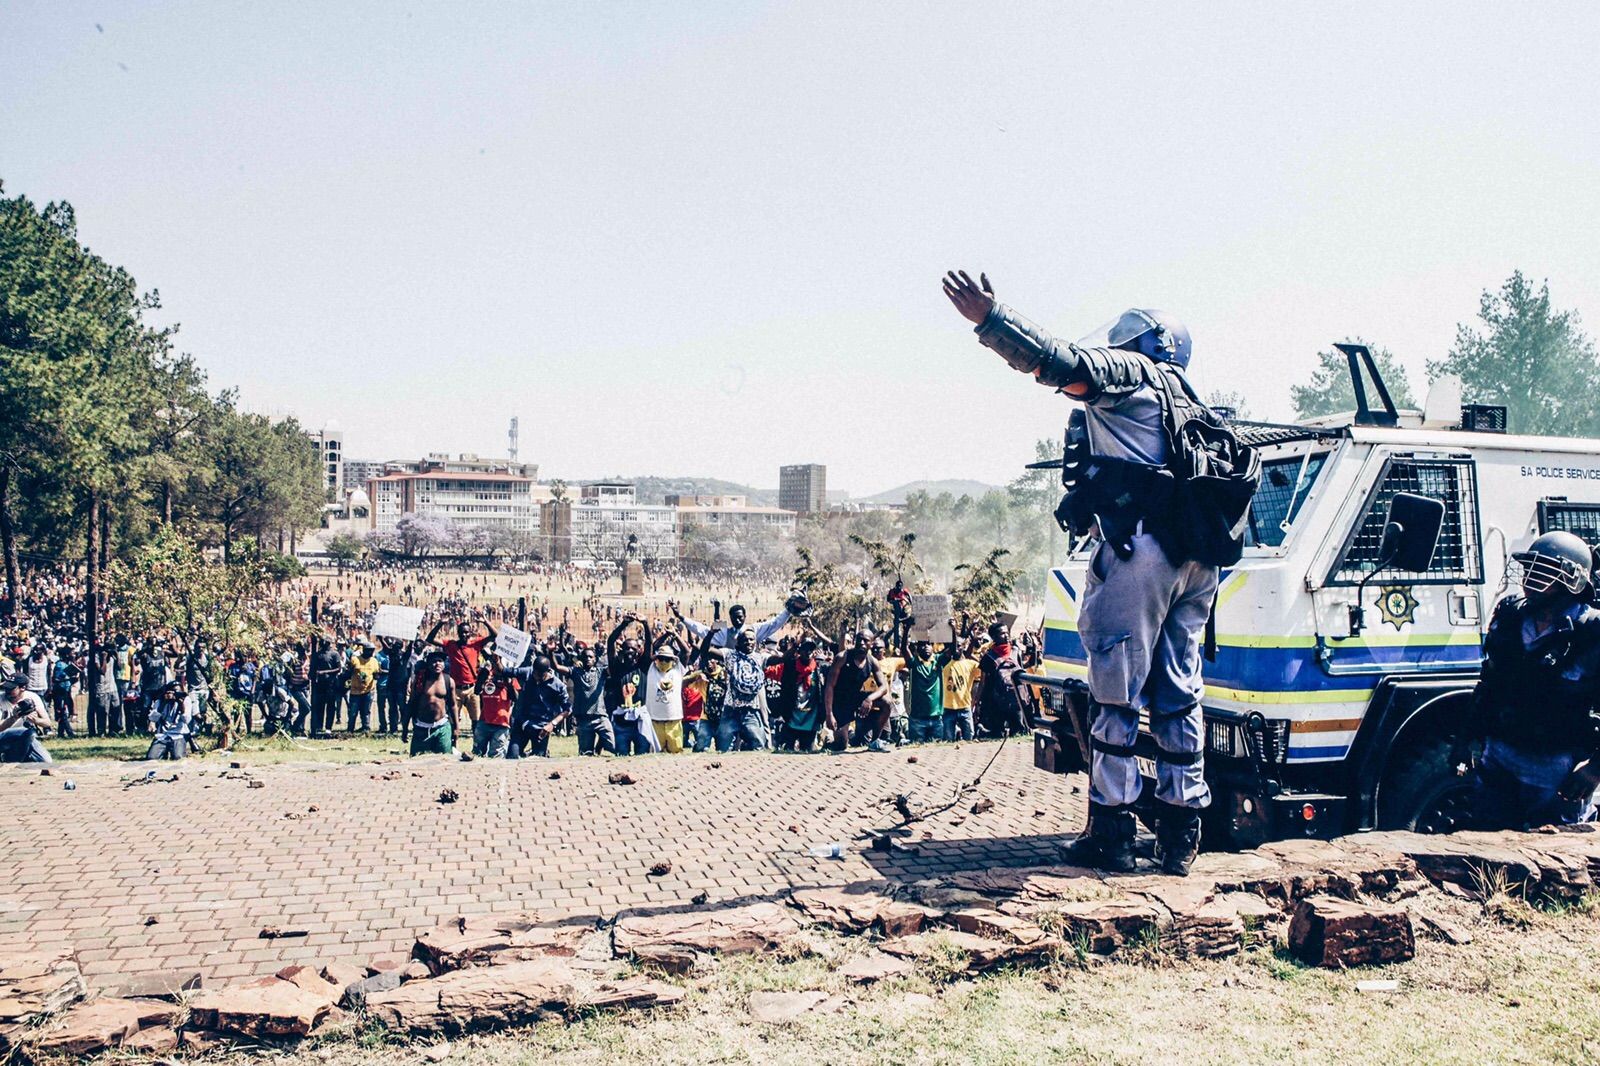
x,y
1540,685
1145,606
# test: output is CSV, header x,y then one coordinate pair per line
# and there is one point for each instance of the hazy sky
x,y
707,237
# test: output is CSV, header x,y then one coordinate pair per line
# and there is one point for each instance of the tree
x,y
169,586
1532,358
419,534
891,561
839,598
73,355
985,588
96,409
1233,402
345,548
1330,391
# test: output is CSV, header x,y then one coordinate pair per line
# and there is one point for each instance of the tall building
x,y
328,443
803,488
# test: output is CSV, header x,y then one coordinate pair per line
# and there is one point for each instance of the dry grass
x,y
1524,994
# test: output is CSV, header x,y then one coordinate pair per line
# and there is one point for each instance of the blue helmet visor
x,y
1168,341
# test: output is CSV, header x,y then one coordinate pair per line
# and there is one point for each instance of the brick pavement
x,y
214,860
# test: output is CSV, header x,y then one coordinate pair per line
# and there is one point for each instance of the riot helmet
x,y
1553,562
1154,334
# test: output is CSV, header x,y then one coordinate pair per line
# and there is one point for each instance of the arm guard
x,y
1028,348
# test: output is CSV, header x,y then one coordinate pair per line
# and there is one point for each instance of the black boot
x,y
1107,843
1177,838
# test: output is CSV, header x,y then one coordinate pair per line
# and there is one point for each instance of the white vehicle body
x,y
1283,634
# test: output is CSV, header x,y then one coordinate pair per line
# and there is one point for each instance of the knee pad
x,y
1193,747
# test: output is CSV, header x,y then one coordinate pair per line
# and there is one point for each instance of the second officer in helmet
x,y
1533,708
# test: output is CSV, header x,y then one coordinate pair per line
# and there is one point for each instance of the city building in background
x,y
357,472
598,525
803,488
488,499
732,513
329,445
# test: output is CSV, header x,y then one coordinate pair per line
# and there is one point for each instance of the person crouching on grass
x,y
542,706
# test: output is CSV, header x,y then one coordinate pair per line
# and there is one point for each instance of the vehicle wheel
x,y
1423,793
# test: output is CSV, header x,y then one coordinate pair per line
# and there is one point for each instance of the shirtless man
x,y
433,708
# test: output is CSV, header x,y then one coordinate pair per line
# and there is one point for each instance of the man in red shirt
x,y
463,655
491,734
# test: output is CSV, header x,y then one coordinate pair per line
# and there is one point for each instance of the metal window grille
x,y
1280,496
1564,515
1459,556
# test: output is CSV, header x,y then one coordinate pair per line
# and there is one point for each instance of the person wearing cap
x,y
1532,710
23,718
171,716
664,695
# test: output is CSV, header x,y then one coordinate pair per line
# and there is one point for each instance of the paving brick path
x,y
363,857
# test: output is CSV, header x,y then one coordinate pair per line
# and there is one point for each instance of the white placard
x,y
930,616
394,620
511,644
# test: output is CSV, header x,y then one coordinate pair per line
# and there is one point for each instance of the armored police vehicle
x,y
1345,645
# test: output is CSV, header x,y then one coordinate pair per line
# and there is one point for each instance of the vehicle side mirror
x,y
1410,537
1411,533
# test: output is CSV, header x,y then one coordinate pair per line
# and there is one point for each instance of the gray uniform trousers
x,y
1142,623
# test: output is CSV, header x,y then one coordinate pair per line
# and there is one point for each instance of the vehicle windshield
x,y
1285,484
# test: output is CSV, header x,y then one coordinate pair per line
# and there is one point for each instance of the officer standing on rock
x,y
1534,703
1153,577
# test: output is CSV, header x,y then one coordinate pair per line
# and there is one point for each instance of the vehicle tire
x,y
1422,792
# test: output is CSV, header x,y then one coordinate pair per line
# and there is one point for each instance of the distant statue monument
x,y
632,568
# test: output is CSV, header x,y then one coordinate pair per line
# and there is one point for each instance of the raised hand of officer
x,y
973,299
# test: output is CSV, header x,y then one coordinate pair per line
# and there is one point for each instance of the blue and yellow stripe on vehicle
x,y
1256,672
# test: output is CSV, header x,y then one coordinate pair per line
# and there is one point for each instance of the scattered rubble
x,y
876,966
162,984
863,908
747,929
1345,903
466,942
35,986
1337,933
267,1007
619,778
449,795
103,1023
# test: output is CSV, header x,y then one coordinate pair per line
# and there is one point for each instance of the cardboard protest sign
x,y
930,618
394,620
511,644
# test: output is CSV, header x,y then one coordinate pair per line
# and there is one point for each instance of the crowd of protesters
x,y
623,683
